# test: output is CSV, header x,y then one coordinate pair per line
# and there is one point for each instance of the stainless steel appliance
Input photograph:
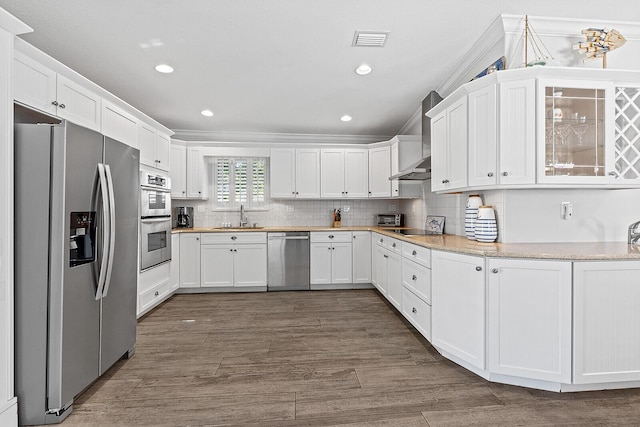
x,y
76,227
183,217
288,261
390,220
155,221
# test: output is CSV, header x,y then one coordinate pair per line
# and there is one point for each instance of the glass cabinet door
x,y
627,133
574,132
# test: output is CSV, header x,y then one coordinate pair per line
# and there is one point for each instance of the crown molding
x,y
272,138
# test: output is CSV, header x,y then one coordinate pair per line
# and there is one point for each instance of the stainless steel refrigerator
x,y
76,231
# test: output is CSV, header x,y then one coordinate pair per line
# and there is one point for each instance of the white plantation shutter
x,y
240,181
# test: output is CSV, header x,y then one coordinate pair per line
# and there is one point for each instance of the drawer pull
x,y
381,240
494,271
490,174
234,237
414,253
413,310
156,293
478,268
394,245
414,277
386,256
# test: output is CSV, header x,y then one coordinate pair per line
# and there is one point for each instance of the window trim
x,y
233,206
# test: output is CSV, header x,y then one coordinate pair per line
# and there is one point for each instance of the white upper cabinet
x,y
178,171
483,142
380,171
154,147
40,87
295,173
119,125
405,151
449,147
344,173
197,174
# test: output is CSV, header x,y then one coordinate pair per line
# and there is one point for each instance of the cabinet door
x,y
394,279
529,307
178,172
361,255
250,265
332,173
189,260
374,259
33,84
162,151
439,152
195,173
78,104
381,269
320,263
606,326
283,173
517,132
483,141
379,172
308,173
341,264
395,160
356,173
147,144
175,261
457,144
217,266
119,125
625,164
458,306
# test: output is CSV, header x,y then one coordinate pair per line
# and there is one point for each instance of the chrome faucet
x,y
243,217
634,233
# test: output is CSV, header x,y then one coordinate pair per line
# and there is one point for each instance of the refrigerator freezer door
x,y
74,321
119,304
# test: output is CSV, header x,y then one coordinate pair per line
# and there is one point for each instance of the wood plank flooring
x,y
312,359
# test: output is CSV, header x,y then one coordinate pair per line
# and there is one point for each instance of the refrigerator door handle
x,y
104,191
112,230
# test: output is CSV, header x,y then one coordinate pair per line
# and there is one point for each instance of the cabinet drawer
x,y
417,278
227,238
153,277
380,239
394,245
417,312
155,295
331,236
417,253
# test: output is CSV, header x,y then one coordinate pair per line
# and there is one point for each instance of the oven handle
x,y
105,227
159,189
156,219
112,230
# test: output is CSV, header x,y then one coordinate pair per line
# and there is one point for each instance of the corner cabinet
x,y
380,171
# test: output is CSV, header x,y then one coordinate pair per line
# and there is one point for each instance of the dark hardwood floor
x,y
312,359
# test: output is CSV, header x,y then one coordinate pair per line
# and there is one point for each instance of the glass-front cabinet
x,y
627,133
577,122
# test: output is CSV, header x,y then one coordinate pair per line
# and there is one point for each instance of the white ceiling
x,y
276,66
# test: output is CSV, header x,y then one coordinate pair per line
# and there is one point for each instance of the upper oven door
x,y
155,202
155,241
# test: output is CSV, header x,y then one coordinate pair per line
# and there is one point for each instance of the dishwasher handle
x,y
289,237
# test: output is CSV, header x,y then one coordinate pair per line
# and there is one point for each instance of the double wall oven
x,y
155,221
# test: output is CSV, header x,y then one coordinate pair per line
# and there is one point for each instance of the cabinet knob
x,y
235,250
505,173
381,240
62,106
54,103
329,248
296,193
369,192
414,253
158,161
197,238
233,237
490,174
478,268
346,192
386,256
414,277
331,236
413,310
393,244
156,293
396,190
494,270
612,173
183,192
199,192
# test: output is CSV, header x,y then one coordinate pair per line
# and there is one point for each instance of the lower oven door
x,y
155,245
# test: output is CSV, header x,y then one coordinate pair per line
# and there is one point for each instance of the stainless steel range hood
x,y
421,169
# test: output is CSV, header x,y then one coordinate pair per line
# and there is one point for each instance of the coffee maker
x,y
183,217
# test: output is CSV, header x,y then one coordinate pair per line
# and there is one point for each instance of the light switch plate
x,y
290,209
201,209
346,208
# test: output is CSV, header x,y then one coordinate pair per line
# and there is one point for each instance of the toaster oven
x,y
390,220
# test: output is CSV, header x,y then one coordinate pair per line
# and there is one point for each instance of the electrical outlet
x,y
290,209
392,208
413,208
566,210
201,209
346,208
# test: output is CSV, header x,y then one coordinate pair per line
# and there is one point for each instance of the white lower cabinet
x,y
189,260
606,321
417,312
458,306
386,260
175,261
361,256
154,286
529,318
416,287
331,261
233,260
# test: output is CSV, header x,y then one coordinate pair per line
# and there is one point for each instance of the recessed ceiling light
x,y
207,113
363,70
345,118
164,68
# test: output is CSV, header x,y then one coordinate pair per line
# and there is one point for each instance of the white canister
x,y
470,214
486,230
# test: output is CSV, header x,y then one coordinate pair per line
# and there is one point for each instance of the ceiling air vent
x,y
370,38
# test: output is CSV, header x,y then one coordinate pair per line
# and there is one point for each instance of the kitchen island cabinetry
x,y
458,307
606,319
189,260
529,318
295,173
330,262
234,260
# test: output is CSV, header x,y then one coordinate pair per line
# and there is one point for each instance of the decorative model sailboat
x,y
599,42
540,55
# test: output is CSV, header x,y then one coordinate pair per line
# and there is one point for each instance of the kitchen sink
x,y
238,228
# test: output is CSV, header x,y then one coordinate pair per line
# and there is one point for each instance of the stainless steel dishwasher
x,y
288,261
